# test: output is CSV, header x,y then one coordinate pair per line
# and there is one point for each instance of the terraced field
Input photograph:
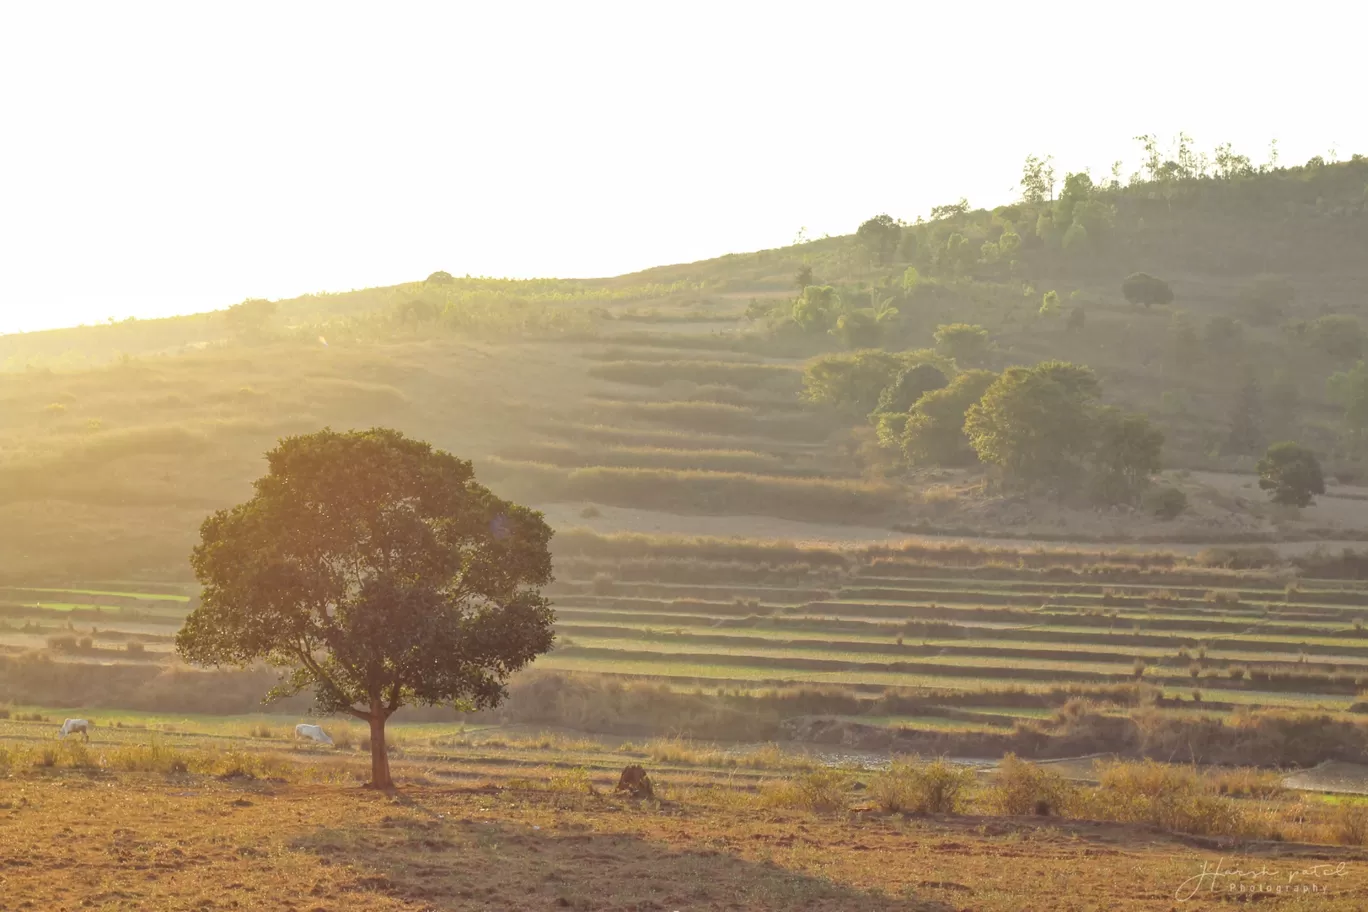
x,y
954,628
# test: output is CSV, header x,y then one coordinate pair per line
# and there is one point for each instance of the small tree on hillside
x,y
1291,474
1144,289
377,571
250,317
440,277
1126,454
880,236
817,308
851,380
803,278
908,387
934,433
1035,423
965,342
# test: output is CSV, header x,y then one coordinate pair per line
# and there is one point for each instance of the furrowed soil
x,y
151,842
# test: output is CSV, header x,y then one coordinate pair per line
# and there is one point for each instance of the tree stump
x,y
635,783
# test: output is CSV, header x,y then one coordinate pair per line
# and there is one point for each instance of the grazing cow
x,y
312,732
70,726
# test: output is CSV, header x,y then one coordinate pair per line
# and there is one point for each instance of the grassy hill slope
x,y
652,392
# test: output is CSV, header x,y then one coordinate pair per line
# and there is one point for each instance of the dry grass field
x,y
520,828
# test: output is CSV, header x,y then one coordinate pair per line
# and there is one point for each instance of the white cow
x,y
71,726
313,732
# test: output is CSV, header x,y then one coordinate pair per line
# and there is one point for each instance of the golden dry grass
x,y
133,841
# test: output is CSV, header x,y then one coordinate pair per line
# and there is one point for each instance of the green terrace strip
x,y
139,596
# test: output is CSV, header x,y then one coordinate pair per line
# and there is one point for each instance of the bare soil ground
x,y
152,842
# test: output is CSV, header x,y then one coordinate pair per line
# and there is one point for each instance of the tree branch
x,y
322,678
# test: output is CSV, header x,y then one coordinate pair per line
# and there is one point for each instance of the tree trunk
x,y
380,771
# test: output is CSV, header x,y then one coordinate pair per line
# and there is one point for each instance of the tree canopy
x,y
376,572
909,386
1035,423
1291,474
966,343
1146,290
881,236
934,433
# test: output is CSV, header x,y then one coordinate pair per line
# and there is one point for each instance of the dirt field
x,y
151,842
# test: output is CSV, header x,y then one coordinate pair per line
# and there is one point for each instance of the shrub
x,y
1174,798
937,787
1349,825
822,791
1020,787
1165,502
133,647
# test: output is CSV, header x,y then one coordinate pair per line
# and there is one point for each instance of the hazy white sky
x,y
159,158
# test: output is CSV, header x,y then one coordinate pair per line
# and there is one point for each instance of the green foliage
x,y
957,257
379,573
1165,502
854,380
1049,304
908,247
817,308
1035,424
858,329
1146,290
880,236
1037,179
910,278
934,434
1009,242
850,380
966,343
1125,456
440,277
1075,237
1291,474
909,386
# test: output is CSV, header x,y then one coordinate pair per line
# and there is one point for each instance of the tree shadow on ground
x,y
416,856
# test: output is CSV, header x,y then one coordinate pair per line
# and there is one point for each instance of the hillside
x,y
670,400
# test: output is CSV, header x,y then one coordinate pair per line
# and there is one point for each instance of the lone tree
x,y
440,277
1291,473
1144,289
377,572
250,317
880,236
